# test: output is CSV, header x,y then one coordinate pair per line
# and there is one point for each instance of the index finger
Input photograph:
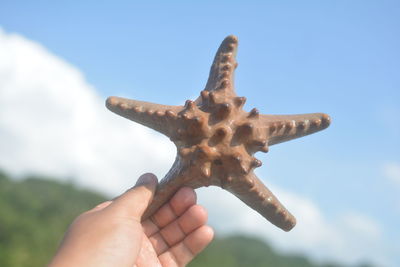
x,y
180,202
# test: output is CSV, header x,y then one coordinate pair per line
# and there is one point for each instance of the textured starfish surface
x,y
216,139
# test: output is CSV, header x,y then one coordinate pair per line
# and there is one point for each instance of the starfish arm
x,y
166,188
282,128
158,117
257,196
216,139
222,70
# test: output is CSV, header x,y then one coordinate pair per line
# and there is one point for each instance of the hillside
x,y
35,212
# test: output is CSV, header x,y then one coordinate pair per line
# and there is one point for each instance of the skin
x,y
112,233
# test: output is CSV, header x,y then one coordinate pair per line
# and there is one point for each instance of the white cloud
x,y
52,122
349,238
392,172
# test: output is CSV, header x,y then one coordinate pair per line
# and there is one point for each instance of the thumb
x,y
134,202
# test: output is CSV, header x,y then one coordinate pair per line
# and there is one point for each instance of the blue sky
x,y
337,57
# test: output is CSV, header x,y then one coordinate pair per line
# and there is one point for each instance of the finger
x,y
184,198
177,230
101,206
183,252
149,227
158,243
135,201
198,239
179,203
192,219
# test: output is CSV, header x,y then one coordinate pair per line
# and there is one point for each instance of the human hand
x,y
112,234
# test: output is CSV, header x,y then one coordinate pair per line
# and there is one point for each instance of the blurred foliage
x,y
239,251
35,212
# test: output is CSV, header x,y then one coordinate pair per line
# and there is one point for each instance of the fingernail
x,y
146,178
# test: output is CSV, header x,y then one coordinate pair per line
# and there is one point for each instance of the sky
x,y
59,62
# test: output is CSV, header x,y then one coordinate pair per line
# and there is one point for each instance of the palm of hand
x,y
176,233
112,233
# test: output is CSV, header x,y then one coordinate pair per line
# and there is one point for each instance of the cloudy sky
x,y
58,63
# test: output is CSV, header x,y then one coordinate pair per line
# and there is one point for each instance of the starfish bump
x,y
216,139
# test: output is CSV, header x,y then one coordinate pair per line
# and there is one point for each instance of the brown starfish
x,y
216,139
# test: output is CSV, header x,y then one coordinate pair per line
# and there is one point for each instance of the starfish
x,y
216,139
